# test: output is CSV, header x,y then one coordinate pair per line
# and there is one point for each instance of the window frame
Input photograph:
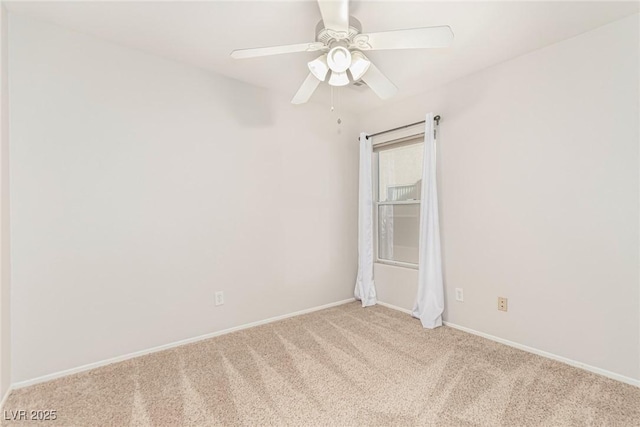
x,y
418,138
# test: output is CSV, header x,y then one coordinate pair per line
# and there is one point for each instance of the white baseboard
x,y
5,397
394,307
595,370
116,359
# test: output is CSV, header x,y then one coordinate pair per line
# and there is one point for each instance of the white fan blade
x,y
416,38
306,90
379,83
277,50
335,14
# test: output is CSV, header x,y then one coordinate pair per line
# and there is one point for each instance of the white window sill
x,y
397,264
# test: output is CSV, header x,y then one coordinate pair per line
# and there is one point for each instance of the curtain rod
x,y
435,119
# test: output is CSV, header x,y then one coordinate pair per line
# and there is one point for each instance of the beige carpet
x,y
342,366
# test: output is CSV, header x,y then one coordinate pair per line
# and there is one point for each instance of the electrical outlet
x,y
219,298
502,304
459,295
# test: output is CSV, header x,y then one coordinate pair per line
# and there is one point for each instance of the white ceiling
x,y
204,33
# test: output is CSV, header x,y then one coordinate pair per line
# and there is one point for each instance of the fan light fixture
x,y
339,60
319,67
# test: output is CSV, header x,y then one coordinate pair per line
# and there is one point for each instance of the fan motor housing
x,y
328,37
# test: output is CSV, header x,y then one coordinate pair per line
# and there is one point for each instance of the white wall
x,y
141,186
539,198
5,265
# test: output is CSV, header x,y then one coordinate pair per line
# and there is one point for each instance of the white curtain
x,y
430,300
365,290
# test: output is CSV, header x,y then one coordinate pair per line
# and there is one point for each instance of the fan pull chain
x,y
339,102
332,98
335,99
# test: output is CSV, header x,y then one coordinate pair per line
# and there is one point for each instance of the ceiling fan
x,y
340,39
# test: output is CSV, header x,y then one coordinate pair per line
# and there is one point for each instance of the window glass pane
x,y
398,232
400,173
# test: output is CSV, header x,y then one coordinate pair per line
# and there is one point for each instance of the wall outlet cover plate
x,y
219,298
502,304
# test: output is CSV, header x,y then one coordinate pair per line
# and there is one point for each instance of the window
x,y
397,179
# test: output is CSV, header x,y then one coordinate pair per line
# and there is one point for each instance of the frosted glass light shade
x,y
339,59
339,79
359,65
319,67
